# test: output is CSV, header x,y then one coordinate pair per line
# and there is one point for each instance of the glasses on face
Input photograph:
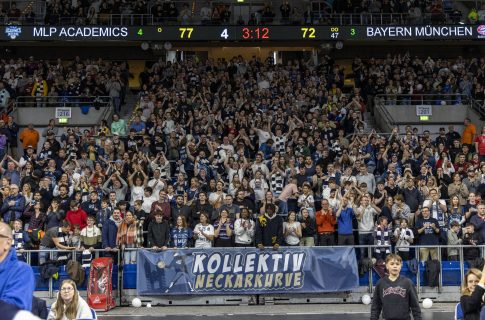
x,y
68,289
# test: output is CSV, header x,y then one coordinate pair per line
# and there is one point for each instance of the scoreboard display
x,y
242,33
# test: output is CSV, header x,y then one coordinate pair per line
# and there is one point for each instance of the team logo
x,y
13,31
481,29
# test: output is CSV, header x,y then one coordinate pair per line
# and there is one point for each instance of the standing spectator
x,y
428,230
308,229
114,88
180,234
457,188
269,229
244,229
469,132
478,221
366,214
158,232
285,10
345,215
129,237
325,221
204,232
223,230
404,238
109,231
205,13
76,215
453,240
91,235
480,144
382,236
13,205
292,230
29,137
14,130
4,97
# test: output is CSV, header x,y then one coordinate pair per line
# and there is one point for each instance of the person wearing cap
x,y
29,137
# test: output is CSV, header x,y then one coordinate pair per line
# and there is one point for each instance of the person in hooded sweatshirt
x,y
395,296
158,232
17,282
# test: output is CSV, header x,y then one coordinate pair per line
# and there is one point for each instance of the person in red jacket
x,y
77,215
325,225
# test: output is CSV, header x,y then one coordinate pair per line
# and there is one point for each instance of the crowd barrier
x,y
125,276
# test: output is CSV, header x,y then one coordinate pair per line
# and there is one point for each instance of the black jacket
x,y
471,305
158,234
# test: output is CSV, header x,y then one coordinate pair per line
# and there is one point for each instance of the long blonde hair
x,y
71,308
464,286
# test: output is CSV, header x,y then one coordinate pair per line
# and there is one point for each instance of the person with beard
x,y
269,229
201,205
181,209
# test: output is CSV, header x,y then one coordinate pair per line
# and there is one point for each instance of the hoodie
x,y
395,299
17,282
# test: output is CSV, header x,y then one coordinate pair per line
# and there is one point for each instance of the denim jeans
x,y
283,208
365,239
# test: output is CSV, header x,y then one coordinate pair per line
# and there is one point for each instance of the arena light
x,y
63,120
423,118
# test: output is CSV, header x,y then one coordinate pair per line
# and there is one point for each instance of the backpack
x,y
75,272
412,266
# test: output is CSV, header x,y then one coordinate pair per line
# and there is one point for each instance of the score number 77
x,y
186,32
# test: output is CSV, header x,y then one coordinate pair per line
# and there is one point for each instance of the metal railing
x,y
102,19
62,101
478,106
422,99
74,255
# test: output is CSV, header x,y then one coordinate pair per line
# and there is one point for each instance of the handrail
x,y
422,99
315,18
62,101
370,250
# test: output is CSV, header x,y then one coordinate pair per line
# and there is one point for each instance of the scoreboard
x,y
242,33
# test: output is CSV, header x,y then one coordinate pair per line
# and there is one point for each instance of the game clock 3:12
x,y
255,33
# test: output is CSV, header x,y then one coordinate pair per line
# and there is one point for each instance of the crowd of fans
x,y
284,12
247,153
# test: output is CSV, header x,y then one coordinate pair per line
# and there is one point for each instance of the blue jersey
x,y
181,237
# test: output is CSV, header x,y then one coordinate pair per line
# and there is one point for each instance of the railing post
x,y
462,263
371,271
418,276
440,276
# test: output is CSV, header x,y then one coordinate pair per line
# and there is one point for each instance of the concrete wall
x,y
388,117
40,116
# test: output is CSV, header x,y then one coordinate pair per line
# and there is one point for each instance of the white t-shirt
x,y
137,193
291,238
201,241
259,186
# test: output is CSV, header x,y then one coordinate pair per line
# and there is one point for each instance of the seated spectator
x,y
69,304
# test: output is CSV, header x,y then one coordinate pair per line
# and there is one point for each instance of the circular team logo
x,y
481,29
